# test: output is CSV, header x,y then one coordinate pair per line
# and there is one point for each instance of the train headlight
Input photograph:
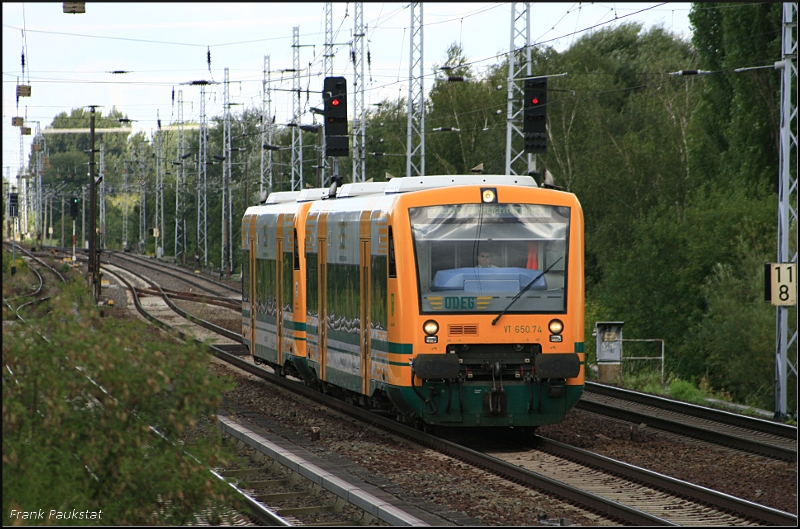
x,y
556,328
430,327
488,195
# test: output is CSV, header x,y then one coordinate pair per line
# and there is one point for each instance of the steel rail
x,y
702,412
753,510
182,271
689,430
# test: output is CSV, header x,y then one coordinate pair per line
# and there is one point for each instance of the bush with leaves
x,y
93,412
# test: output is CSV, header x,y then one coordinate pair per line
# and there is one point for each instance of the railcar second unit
x,y
379,294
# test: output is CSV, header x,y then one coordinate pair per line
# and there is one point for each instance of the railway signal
x,y
534,125
334,95
74,202
14,204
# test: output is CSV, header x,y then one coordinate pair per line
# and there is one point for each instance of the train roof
x,y
282,196
361,188
316,193
397,185
418,183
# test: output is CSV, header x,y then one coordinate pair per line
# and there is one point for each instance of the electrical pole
x,y
266,129
226,175
359,115
158,232
83,217
297,134
180,183
202,199
787,204
102,197
94,262
142,200
519,59
327,57
415,142
63,242
125,207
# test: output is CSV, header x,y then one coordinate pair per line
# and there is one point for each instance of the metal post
x,y
83,216
94,276
226,168
517,61
787,201
14,245
359,113
102,199
415,141
297,134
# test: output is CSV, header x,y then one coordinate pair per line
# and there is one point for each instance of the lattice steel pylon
x,y
125,208
202,199
415,140
142,200
359,113
297,134
226,175
786,332
519,68
266,128
101,196
38,173
327,68
159,220
180,184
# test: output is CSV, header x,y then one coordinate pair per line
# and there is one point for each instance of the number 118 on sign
x,y
781,284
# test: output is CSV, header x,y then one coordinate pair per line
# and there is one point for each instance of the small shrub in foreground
x,y
84,412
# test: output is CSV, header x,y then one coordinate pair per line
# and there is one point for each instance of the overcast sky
x,y
68,57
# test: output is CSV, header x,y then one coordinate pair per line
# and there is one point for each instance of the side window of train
x,y
296,252
392,263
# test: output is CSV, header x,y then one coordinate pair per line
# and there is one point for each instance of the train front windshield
x,y
475,258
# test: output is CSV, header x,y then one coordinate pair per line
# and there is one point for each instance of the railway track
x,y
38,290
620,491
737,431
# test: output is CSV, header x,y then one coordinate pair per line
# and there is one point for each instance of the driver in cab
x,y
485,260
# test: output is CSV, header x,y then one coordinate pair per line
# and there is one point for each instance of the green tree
x,y
93,416
735,138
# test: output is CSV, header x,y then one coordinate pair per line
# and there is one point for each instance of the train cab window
x,y
296,259
392,262
528,244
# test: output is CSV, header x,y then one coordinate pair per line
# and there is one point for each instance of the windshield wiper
x,y
521,292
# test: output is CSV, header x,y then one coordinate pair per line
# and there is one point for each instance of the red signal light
x,y
335,102
535,100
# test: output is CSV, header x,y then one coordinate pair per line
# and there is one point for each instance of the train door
x,y
322,282
364,313
252,245
279,294
366,297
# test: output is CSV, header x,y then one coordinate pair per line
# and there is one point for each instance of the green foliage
x,y
735,134
645,380
8,262
685,391
82,413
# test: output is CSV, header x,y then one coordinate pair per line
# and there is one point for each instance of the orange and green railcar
x,y
398,311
